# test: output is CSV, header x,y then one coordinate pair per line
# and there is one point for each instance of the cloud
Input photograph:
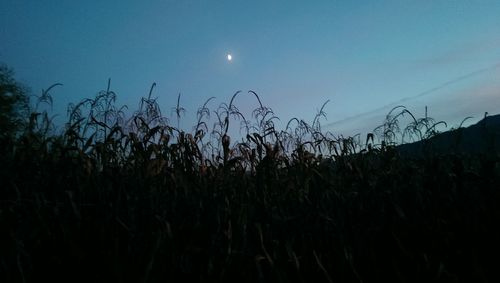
x,y
470,51
451,105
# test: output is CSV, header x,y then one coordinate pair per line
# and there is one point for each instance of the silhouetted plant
x,y
117,198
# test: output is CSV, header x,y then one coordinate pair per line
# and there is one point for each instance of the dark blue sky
x,y
362,55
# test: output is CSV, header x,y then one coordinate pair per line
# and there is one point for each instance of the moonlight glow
x,y
229,57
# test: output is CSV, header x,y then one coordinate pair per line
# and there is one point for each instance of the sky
x,y
365,57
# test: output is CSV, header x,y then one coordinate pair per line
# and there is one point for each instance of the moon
x,y
229,57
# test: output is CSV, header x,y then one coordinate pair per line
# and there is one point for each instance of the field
x,y
134,199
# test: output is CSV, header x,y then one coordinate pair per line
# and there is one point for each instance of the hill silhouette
x,y
480,138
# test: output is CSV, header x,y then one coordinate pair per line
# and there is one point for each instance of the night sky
x,y
363,56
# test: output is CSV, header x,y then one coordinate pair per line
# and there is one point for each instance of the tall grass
x,y
115,199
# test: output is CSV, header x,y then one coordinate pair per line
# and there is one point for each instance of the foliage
x,y
115,199
13,103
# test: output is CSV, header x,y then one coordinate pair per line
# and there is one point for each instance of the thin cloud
x,y
419,95
463,52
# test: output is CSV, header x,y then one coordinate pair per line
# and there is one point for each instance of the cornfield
x,y
113,198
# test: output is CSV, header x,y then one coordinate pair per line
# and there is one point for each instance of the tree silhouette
x,y
13,103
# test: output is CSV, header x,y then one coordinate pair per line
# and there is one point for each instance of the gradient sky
x,y
363,56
